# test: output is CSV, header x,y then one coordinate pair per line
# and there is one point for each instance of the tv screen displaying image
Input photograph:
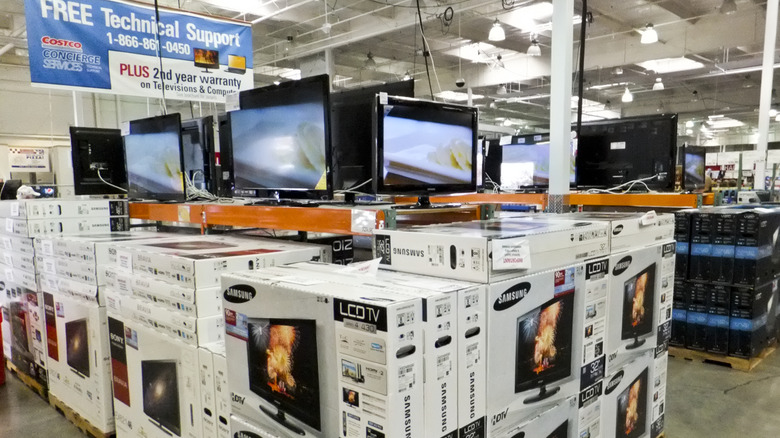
x,y
161,394
632,409
154,159
206,58
424,147
197,148
638,300
236,64
528,165
77,346
544,351
694,168
93,150
281,137
283,370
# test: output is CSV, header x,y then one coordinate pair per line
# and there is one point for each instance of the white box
x,y
534,355
631,230
17,244
75,289
194,331
53,226
486,251
68,208
78,358
199,261
443,301
554,421
355,365
640,302
13,300
37,330
222,392
155,382
19,261
65,268
208,403
658,394
626,406
243,428
97,249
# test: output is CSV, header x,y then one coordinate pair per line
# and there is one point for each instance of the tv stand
x,y
543,394
161,427
423,202
281,418
636,344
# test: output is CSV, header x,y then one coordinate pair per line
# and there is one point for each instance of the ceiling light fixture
x,y
534,49
728,7
658,85
689,124
777,119
496,32
627,97
772,112
370,63
649,35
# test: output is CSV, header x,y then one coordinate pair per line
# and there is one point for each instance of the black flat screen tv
x,y
544,352
613,152
161,394
632,409
197,148
638,299
525,162
694,168
93,150
351,133
283,369
154,159
423,147
225,172
77,346
281,140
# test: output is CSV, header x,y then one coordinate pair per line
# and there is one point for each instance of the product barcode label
x,y
472,355
405,378
443,366
436,255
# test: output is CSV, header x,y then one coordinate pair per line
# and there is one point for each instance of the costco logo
x,y
60,43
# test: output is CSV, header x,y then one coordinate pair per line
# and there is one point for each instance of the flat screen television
x,y
281,140
351,133
204,58
694,168
632,409
638,299
544,351
77,346
613,152
197,147
93,150
154,159
225,170
283,369
525,162
9,188
423,147
161,394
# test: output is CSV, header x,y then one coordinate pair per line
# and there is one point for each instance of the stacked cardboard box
x,y
164,315
728,289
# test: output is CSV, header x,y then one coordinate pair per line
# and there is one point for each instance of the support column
x,y
767,73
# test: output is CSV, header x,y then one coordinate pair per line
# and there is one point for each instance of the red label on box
x,y
230,317
51,326
121,388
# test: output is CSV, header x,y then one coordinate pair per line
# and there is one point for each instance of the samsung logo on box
x,y
617,230
409,252
512,296
244,434
613,384
622,265
240,293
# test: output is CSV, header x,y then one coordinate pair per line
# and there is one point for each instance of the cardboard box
x,y
78,358
487,251
17,244
69,269
757,255
66,208
630,406
679,313
222,393
19,261
752,319
535,348
198,261
75,289
52,226
28,336
155,382
557,420
208,403
682,234
454,338
355,366
94,249
243,428
696,327
640,302
14,305
630,230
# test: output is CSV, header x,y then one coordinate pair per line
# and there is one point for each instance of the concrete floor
x,y
703,401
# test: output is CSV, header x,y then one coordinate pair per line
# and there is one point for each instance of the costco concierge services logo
x,y
58,43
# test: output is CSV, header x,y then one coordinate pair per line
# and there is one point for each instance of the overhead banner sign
x,y
112,47
29,159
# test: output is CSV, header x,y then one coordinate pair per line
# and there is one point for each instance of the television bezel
x,y
79,367
281,404
86,185
642,377
248,100
151,413
177,197
627,333
554,375
378,179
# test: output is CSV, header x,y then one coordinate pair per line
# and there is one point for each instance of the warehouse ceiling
x,y
708,61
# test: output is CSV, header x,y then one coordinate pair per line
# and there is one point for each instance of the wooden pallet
x,y
85,426
736,363
29,381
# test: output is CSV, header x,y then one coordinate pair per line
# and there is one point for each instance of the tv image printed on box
x,y
161,394
77,348
627,397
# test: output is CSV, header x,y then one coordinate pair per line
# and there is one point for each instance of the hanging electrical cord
x,y
630,184
163,103
426,52
108,183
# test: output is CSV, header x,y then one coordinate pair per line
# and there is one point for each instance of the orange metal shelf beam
x,y
483,198
668,200
312,219
191,213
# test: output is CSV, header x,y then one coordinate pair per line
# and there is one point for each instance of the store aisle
x,y
706,401
25,415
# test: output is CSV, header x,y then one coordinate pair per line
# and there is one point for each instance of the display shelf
x,y
661,200
484,198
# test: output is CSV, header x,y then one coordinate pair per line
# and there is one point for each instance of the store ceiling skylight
x,y
670,65
528,17
287,73
474,52
457,96
723,123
